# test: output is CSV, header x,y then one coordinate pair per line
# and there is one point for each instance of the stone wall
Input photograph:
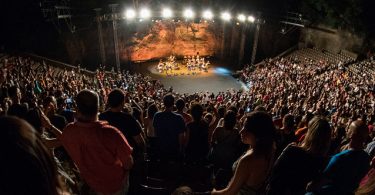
x,y
161,39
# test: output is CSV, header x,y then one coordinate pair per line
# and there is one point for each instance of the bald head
x,y
88,103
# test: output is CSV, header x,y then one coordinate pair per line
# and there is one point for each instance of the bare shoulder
x,y
252,160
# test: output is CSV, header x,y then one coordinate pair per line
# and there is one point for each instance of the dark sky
x,y
23,26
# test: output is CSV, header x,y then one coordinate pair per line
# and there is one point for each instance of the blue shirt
x,y
346,169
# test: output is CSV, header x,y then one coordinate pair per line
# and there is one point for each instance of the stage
x,y
218,78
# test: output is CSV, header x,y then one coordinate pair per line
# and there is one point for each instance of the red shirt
x,y
99,151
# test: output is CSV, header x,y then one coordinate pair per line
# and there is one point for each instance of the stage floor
x,y
216,79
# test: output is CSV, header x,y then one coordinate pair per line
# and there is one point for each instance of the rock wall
x,y
161,39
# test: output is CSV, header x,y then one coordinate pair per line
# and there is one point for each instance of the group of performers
x,y
196,63
168,66
193,63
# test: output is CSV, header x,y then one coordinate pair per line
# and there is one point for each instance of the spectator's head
x,y
168,101
183,190
306,119
49,105
196,112
260,108
180,105
221,111
14,94
87,105
358,134
284,110
318,136
26,162
288,121
151,111
116,98
233,108
230,120
259,132
208,117
61,104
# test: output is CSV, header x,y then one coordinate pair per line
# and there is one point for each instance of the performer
x,y
160,66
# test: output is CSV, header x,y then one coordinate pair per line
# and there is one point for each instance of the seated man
x,y
346,169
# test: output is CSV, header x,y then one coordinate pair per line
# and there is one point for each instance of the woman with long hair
x,y
298,165
252,168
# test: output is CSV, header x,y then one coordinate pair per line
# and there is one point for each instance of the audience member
x,y
100,151
26,166
298,165
252,168
346,169
170,131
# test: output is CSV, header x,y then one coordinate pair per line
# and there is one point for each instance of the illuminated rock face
x,y
172,38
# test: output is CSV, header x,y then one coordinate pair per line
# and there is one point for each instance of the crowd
x,y
304,127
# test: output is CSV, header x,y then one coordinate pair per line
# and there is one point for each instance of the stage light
x,y
167,13
129,14
241,18
145,13
251,19
226,16
188,14
207,15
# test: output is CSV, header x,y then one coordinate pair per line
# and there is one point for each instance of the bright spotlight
x,y
145,13
129,14
167,13
188,13
226,16
241,18
207,15
251,19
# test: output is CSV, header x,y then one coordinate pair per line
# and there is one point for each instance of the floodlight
x,y
130,14
251,19
188,13
167,13
145,13
207,15
226,16
241,18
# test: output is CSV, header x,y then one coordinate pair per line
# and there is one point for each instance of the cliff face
x,y
162,39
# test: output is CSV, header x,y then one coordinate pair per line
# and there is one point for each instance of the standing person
x,y
252,168
130,128
345,169
180,105
170,131
123,121
197,137
150,131
100,151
